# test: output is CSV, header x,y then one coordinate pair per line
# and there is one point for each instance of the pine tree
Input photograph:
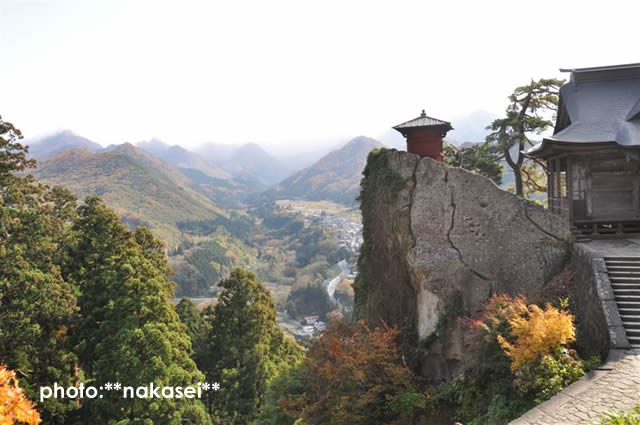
x,y
128,332
247,348
526,114
480,159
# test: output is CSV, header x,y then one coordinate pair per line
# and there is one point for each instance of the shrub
x,y
537,333
356,375
620,418
535,340
550,374
15,408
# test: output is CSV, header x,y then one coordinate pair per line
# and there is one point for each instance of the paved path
x,y
614,386
629,246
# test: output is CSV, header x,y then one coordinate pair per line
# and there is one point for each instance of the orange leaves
x,y
537,333
15,408
526,333
356,375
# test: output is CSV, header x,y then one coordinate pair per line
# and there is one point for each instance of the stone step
x,y
624,286
628,311
635,342
621,259
625,305
623,273
618,263
616,269
632,333
627,299
624,279
627,292
631,325
628,303
630,318
625,263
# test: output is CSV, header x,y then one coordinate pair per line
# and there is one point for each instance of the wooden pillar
x,y
558,185
636,193
550,185
570,188
587,188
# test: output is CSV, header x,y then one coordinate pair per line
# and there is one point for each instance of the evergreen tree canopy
x,y
128,331
198,327
36,304
477,158
528,113
247,348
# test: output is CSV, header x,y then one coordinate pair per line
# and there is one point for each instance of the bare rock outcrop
x,y
439,241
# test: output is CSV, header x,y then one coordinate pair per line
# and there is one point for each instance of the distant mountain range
x,y
181,158
59,142
159,186
141,188
249,163
335,177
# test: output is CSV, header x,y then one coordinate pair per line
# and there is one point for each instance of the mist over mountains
x,y
160,186
59,142
214,177
335,177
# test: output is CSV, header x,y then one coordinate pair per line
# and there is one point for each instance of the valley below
x,y
223,207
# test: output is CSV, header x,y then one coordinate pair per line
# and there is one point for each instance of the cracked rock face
x,y
452,232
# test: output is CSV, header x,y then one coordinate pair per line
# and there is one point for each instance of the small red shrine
x,y
424,135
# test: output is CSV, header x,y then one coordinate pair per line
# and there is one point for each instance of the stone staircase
x,y
624,274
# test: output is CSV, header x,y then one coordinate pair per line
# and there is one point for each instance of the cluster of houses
x,y
348,233
313,326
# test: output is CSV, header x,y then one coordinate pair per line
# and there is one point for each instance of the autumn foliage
x,y
355,375
536,341
537,333
532,332
15,408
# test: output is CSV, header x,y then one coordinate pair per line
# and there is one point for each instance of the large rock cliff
x,y
439,241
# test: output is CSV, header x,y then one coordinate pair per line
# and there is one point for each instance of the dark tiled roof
x,y
424,121
599,110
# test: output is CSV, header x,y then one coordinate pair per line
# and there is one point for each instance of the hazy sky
x,y
288,72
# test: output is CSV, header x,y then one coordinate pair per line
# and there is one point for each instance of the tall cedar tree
x,y
247,348
198,327
527,113
128,331
36,304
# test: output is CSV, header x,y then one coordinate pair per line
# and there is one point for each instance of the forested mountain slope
x,y
335,177
142,189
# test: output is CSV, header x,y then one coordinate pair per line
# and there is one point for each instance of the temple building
x,y
424,135
593,157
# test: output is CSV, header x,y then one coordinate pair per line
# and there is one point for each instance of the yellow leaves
x,y
535,332
15,408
